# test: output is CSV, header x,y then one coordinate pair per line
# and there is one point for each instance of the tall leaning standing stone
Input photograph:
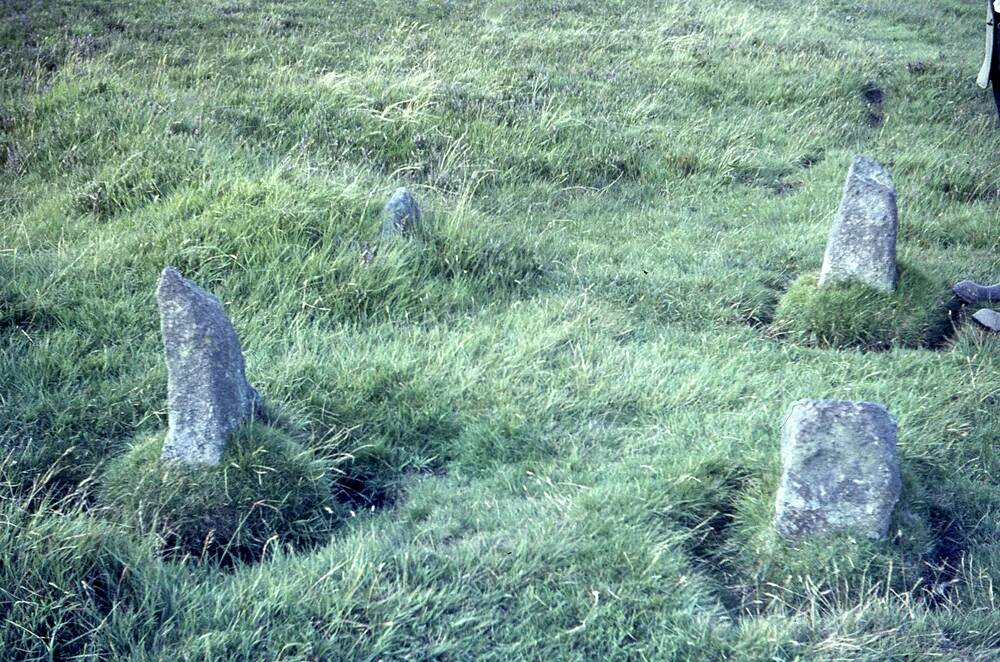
x,y
207,390
862,243
839,470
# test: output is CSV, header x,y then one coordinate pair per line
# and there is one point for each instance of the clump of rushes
x,y
853,315
267,491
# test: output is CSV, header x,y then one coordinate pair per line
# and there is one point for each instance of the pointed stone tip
x,y
870,169
170,279
173,287
402,198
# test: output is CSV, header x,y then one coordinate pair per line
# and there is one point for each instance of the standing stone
x,y
862,243
401,215
207,390
838,469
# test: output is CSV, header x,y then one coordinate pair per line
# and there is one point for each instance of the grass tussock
x,y
267,492
855,316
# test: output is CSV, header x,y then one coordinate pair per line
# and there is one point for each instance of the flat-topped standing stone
x,y
838,469
401,215
862,243
207,390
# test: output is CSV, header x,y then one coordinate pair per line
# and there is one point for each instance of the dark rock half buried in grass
x,y
839,470
401,215
972,292
207,390
862,243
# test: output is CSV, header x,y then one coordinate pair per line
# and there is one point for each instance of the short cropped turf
x,y
548,428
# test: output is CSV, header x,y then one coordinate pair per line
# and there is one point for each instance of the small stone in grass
x,y
988,318
401,215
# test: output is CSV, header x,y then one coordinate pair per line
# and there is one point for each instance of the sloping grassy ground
x,y
556,420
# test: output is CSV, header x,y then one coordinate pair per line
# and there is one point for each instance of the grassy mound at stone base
x,y
838,563
267,490
857,316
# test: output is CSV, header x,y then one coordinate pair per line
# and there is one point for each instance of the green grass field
x,y
551,427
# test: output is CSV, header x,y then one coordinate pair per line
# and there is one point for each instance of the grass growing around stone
x,y
267,490
552,424
919,313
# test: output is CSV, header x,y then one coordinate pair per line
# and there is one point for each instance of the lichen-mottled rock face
x,y
207,391
839,469
401,215
862,243
968,291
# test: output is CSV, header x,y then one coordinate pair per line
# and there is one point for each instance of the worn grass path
x,y
556,419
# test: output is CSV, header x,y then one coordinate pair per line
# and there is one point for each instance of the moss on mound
x,y
857,316
267,490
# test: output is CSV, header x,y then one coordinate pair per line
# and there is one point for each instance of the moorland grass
x,y
64,572
553,422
